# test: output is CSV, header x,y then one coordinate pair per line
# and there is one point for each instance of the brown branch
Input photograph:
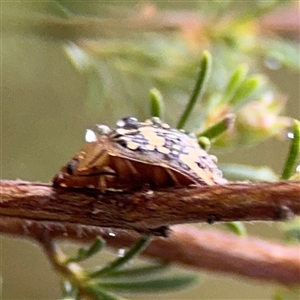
x,y
148,210
33,209
199,249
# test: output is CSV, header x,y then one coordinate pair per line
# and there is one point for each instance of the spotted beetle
x,y
137,154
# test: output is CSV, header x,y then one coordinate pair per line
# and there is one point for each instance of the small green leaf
x,y
235,81
140,271
294,152
101,294
59,10
157,105
204,143
120,262
150,286
205,68
218,128
86,252
244,91
237,227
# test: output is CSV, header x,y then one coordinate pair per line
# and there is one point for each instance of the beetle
x,y
138,154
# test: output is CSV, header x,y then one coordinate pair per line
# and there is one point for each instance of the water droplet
x,y
67,286
90,136
112,234
121,252
165,126
156,121
272,63
290,135
103,129
128,123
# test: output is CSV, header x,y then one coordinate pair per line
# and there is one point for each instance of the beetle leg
x,y
102,183
106,173
107,170
133,170
172,176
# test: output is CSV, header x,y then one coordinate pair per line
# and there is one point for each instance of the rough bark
x,y
148,210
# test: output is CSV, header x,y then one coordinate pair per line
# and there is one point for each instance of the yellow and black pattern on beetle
x,y
138,154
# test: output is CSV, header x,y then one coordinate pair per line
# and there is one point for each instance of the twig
x,y
36,209
147,211
200,249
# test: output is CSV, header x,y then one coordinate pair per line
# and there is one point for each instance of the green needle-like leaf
x,y
290,164
205,68
204,143
235,81
236,227
153,285
86,252
157,105
59,10
144,271
120,262
100,294
218,128
242,94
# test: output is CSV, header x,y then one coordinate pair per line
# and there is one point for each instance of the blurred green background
x,y
44,115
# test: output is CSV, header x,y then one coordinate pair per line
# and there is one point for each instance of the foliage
x,y
117,275
121,51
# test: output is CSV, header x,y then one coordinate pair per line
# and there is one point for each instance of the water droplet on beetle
x,y
103,129
128,123
90,136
